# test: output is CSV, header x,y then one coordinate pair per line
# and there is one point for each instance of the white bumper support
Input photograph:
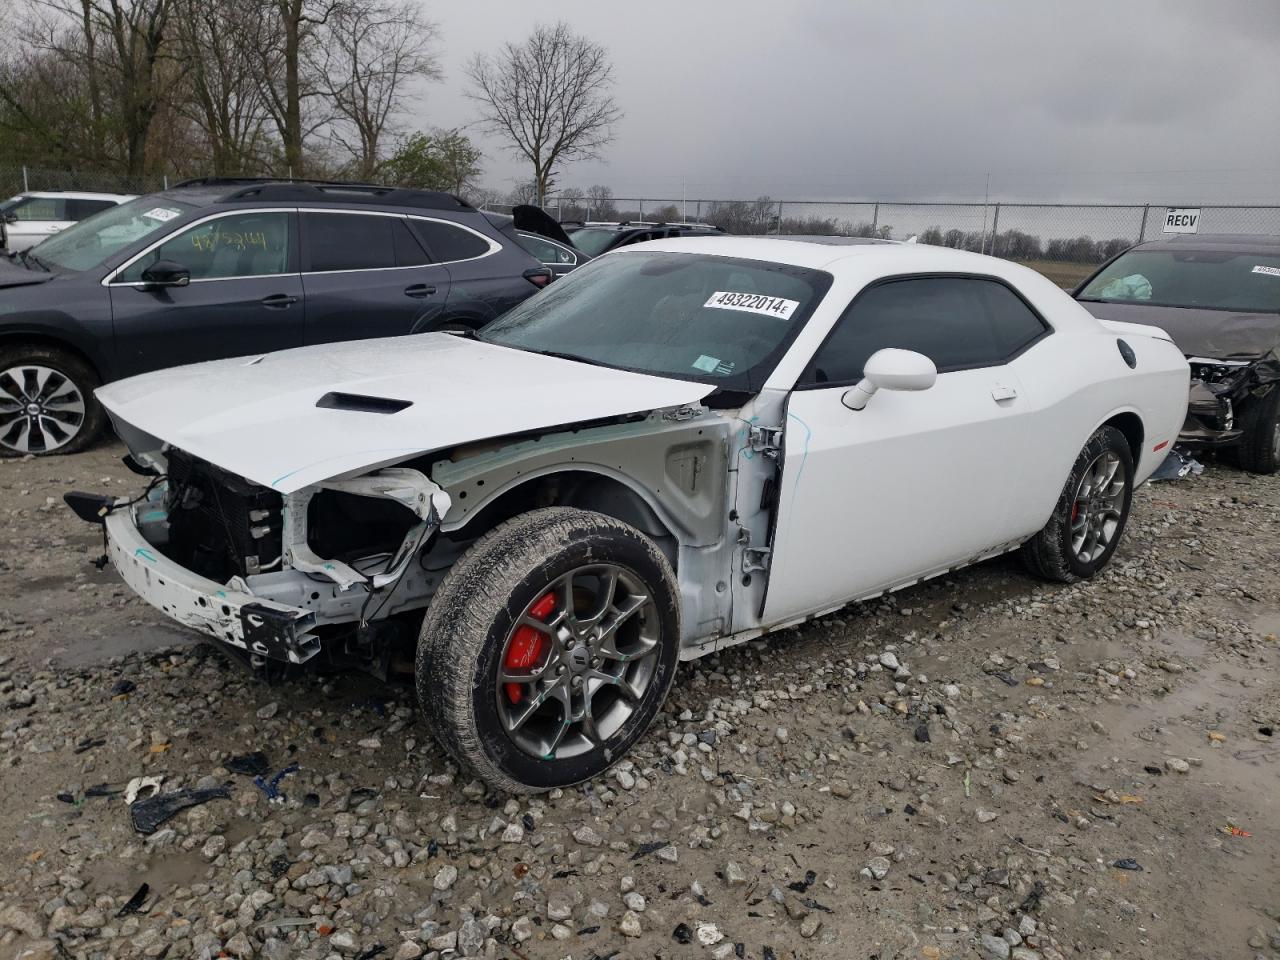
x,y
260,627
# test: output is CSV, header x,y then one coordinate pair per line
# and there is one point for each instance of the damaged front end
x,y
278,577
1220,391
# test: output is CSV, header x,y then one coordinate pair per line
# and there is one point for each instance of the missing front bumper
x,y
259,627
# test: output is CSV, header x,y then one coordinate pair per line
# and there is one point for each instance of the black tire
x,y
74,437
1050,554
1259,450
472,621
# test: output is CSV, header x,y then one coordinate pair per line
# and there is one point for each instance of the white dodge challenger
x,y
682,445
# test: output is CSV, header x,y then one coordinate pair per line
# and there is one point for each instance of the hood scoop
x,y
362,403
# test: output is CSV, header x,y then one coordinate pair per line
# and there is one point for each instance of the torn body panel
x,y
192,549
666,475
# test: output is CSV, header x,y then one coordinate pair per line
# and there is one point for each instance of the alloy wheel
x,y
578,661
1096,509
41,409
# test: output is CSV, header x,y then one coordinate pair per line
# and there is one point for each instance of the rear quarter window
x,y
448,242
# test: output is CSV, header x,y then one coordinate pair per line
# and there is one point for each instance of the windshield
x,y
1204,279
712,319
92,240
592,240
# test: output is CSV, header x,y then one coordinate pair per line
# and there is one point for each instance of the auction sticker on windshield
x,y
161,214
752,303
1269,271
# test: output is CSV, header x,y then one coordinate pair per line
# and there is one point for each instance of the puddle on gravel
x,y
89,650
164,870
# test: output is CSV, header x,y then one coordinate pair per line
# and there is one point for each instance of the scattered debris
x,y
249,764
147,815
1177,465
134,903
271,788
138,784
123,687
1127,863
652,846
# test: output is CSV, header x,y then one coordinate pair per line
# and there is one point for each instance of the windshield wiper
x,y
29,257
569,356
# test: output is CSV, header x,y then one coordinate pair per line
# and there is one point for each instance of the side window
x,y
409,252
544,250
448,242
349,241
253,244
80,209
1013,324
957,322
40,208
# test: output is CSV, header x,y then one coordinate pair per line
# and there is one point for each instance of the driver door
x,y
245,295
915,483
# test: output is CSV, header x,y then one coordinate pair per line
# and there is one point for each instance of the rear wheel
x,y
46,402
1259,450
549,649
1090,515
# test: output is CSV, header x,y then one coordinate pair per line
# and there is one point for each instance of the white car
x,y
682,445
30,217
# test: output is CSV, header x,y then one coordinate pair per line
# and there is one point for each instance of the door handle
x,y
278,300
1000,392
420,290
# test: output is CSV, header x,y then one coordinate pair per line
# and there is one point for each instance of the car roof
x,y
1242,242
76,195
831,241
641,225
816,254
236,190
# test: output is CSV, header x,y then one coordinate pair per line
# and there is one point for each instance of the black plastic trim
x,y
362,403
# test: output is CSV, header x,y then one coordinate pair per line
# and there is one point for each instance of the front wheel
x,y
46,402
549,649
1090,515
1259,450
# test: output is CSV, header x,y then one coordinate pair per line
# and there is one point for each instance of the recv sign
x,y
1181,219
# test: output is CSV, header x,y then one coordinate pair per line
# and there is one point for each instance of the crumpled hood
x,y
15,275
257,416
1212,334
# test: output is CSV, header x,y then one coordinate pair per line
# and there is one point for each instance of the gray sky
x,y
1161,100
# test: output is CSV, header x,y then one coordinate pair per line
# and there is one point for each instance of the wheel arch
x,y
583,485
10,338
1128,422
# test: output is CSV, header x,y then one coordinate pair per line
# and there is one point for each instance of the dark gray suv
x,y
222,268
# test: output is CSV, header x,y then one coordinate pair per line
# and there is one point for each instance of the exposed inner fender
x,y
587,486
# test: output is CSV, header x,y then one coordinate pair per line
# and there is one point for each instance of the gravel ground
x,y
984,766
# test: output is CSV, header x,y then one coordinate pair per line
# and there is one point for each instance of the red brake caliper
x,y
527,645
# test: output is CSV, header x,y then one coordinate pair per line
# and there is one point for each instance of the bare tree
x,y
373,53
548,98
286,34
526,191
222,95
600,201
111,51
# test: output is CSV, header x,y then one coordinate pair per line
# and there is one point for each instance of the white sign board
x,y
1181,219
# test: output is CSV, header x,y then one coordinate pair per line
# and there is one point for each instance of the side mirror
x,y
166,273
891,369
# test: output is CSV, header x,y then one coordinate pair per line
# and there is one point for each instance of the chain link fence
x,y
14,180
1064,241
